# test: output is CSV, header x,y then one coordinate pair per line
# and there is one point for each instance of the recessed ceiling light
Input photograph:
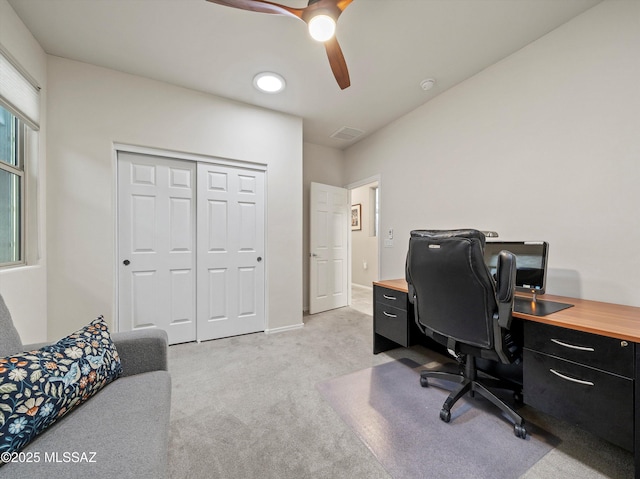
x,y
269,82
322,28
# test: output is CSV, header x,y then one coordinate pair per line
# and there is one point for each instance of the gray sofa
x,y
126,424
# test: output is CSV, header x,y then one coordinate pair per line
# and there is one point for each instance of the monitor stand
x,y
537,307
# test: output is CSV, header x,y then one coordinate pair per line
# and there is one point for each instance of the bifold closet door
x,y
157,245
230,239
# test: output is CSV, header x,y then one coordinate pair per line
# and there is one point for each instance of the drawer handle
x,y
572,346
392,298
573,380
389,315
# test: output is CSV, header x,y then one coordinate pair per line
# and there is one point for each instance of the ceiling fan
x,y
320,16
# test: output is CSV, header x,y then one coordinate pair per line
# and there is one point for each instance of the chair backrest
x,y
10,342
453,291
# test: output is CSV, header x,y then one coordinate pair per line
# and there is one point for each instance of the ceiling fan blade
x,y
342,4
261,6
338,63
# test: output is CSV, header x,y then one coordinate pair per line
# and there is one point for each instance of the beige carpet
x,y
248,408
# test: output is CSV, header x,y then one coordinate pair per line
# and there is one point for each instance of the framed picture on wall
x,y
356,217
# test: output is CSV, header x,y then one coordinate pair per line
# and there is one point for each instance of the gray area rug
x,y
399,422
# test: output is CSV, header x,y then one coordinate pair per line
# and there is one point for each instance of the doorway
x,y
190,247
365,234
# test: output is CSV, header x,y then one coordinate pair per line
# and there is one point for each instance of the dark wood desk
x,y
581,364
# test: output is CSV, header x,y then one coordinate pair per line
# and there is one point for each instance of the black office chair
x,y
459,304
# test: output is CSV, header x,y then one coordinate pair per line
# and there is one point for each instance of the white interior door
x,y
329,267
156,245
231,287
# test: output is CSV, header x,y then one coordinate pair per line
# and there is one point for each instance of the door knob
x,y
259,258
126,262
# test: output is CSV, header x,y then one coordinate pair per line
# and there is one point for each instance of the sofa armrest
x,y
34,346
141,351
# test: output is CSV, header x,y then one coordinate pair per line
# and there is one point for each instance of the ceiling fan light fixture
x,y
269,82
322,28
319,15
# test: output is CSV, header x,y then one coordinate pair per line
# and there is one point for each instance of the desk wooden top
x,y
606,319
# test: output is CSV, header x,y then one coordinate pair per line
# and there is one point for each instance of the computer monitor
x,y
531,262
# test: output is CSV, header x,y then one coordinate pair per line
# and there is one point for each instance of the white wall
x,y
364,246
90,108
542,145
24,288
321,165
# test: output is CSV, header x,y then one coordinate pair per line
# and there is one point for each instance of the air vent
x,y
346,133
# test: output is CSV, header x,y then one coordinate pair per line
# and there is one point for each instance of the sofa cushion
x,y
10,342
39,387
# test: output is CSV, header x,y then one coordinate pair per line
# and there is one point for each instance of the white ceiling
x,y
390,46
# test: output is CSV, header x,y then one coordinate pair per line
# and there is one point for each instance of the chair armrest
x,y
141,351
505,287
411,291
508,351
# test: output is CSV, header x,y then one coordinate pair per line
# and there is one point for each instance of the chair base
x,y
471,384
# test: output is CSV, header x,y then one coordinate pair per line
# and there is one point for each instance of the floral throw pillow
x,y
39,387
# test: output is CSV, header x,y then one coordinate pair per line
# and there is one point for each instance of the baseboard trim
x,y
284,328
361,286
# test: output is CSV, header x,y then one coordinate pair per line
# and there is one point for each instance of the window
x,y
19,117
11,189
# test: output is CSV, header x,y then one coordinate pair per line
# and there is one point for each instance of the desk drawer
x,y
391,323
390,297
600,352
589,398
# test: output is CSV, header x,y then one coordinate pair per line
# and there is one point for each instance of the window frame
x,y
20,171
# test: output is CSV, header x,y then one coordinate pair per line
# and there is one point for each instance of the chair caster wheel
x,y
520,431
517,397
424,381
445,415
